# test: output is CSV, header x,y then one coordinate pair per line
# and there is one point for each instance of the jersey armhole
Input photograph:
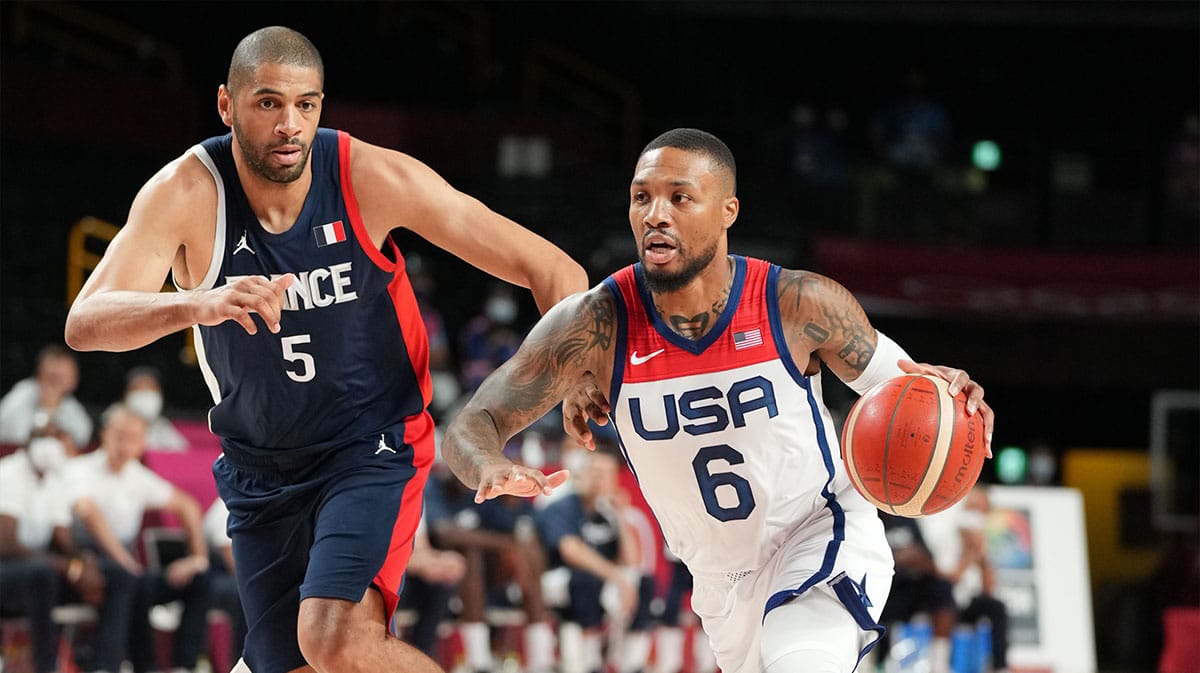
x,y
776,320
356,221
218,249
618,365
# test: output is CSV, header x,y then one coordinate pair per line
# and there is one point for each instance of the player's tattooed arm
x,y
822,317
575,336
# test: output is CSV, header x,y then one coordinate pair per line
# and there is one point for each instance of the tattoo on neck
x,y
691,328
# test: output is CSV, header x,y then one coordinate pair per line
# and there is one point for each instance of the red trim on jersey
x,y
412,327
356,222
645,341
418,433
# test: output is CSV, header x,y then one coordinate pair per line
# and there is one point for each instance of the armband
x,y
882,365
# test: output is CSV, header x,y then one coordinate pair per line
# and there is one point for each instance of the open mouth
x,y
658,249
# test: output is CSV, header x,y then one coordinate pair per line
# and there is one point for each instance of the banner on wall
x,y
1037,543
915,280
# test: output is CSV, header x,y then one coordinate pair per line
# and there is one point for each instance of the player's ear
x,y
225,105
730,210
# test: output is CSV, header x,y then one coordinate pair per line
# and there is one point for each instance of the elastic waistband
x,y
291,459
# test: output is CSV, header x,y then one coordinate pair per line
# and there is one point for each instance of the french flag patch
x,y
328,234
747,339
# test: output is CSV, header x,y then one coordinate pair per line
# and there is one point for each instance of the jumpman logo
x,y
383,446
243,245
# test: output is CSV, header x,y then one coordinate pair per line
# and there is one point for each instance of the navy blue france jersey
x,y
351,357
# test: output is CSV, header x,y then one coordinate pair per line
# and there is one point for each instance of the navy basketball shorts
x,y
325,522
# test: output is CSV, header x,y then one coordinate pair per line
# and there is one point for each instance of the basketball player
x,y
712,362
311,342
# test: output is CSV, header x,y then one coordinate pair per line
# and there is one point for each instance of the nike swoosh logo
x,y
634,359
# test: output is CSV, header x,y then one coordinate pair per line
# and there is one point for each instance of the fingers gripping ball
x,y
910,448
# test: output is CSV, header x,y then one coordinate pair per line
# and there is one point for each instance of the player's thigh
x,y
813,632
364,531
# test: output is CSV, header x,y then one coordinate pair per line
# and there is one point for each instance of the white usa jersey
x,y
731,443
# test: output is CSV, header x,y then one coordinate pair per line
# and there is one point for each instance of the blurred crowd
x,y
109,565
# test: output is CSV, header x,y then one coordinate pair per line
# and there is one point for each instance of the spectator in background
x,y
669,639
500,548
222,581
47,397
595,575
490,338
818,149
912,132
111,491
912,135
918,589
446,388
39,564
958,545
144,396
430,581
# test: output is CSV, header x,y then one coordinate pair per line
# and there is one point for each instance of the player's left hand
x,y
586,401
959,381
512,479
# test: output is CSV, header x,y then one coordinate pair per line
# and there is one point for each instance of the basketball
x,y
909,446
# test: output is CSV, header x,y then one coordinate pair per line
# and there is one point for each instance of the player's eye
x,y
640,197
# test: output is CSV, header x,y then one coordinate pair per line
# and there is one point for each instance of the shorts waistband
x,y
290,459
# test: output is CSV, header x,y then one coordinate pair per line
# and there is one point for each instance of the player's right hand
x,y
238,299
498,479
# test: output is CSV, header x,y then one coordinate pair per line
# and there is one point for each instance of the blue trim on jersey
x,y
839,514
618,373
854,596
776,321
697,346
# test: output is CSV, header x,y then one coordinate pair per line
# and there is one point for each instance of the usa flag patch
x,y
747,339
328,234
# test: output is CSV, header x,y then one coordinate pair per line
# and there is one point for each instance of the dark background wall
x,y
97,96
1067,280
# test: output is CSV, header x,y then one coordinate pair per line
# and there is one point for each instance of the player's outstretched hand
x,y
585,401
246,295
496,480
959,381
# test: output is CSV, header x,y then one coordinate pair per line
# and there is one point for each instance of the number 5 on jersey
x,y
306,367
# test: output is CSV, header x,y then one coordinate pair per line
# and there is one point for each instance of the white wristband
x,y
882,365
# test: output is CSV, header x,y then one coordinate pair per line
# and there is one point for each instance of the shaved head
x,y
701,142
274,44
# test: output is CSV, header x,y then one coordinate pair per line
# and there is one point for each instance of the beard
x,y
260,161
661,282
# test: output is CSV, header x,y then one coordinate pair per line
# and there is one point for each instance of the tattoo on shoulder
x,y
831,316
815,332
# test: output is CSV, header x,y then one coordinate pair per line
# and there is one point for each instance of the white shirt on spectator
x,y
943,538
20,405
214,525
38,504
122,497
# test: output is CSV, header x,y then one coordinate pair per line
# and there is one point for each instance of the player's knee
x,y
323,633
813,633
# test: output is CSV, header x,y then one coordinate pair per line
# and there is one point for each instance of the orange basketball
x,y
910,448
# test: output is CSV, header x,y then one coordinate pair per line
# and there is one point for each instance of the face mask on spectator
x,y
47,453
145,403
501,310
